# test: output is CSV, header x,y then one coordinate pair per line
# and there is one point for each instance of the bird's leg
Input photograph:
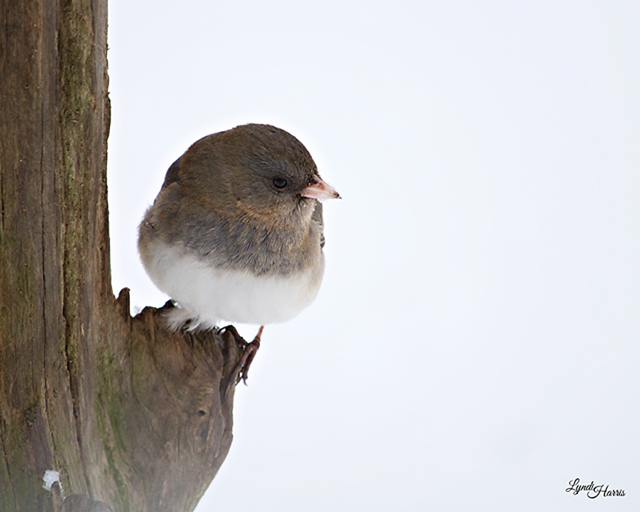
x,y
241,370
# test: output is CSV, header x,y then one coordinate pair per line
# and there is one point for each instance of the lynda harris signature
x,y
592,490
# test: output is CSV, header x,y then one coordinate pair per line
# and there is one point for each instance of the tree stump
x,y
129,414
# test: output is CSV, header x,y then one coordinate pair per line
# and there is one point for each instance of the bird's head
x,y
255,173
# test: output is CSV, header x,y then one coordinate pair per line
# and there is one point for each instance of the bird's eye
x,y
279,182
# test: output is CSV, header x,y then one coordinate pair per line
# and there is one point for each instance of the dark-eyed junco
x,y
236,232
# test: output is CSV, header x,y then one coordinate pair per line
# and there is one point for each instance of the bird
x,y
236,233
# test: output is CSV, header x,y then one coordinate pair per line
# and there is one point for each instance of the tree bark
x,y
130,415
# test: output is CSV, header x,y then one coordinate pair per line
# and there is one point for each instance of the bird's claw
x,y
241,369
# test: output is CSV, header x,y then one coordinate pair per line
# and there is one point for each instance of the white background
x,y
475,344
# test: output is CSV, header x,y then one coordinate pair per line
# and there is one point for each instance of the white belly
x,y
207,295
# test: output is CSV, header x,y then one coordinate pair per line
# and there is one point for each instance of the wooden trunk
x,y
128,413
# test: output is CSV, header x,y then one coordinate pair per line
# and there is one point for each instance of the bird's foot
x,y
241,370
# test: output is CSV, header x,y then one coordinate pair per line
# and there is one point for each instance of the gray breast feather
x,y
317,217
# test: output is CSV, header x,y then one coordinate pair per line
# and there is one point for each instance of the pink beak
x,y
320,190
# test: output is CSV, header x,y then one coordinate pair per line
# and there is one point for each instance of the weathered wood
x,y
129,414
